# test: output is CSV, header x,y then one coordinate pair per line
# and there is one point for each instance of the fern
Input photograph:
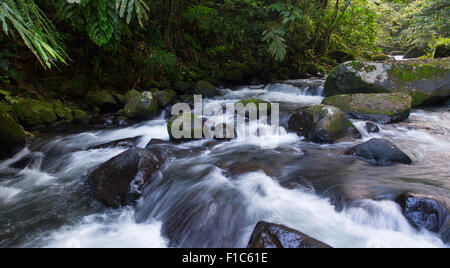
x,y
277,44
37,32
138,6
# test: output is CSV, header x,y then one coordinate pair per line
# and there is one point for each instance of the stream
x,y
212,194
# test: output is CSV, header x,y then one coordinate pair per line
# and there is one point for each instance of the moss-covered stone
x,y
143,106
12,136
31,113
442,51
206,89
257,102
416,51
62,112
323,124
130,94
381,57
382,108
426,81
185,117
81,117
101,99
341,56
165,97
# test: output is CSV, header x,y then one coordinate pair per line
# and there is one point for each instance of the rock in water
x,y
123,143
380,108
380,152
12,137
120,180
206,89
425,212
269,235
142,106
323,124
426,81
372,128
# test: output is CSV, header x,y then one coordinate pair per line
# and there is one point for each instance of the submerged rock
x,y
269,235
120,181
379,152
206,89
323,124
142,106
425,212
31,113
382,107
426,81
123,143
12,136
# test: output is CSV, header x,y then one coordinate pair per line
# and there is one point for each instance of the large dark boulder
x,y
12,137
122,143
323,124
381,107
120,180
379,152
426,81
426,212
416,51
442,51
269,235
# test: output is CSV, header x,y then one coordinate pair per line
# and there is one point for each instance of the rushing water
x,y
212,194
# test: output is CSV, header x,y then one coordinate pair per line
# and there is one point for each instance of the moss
x,y
143,106
101,99
419,97
165,97
32,113
81,116
417,71
362,67
62,112
130,94
381,57
12,136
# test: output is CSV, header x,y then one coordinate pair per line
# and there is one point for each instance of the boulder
x,y
442,51
81,117
379,152
122,143
427,81
101,99
130,94
165,97
426,212
31,113
381,107
381,57
119,181
62,112
185,117
416,51
323,124
142,106
372,128
269,235
12,136
206,89
341,56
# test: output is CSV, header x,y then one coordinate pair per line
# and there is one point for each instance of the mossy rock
x,y
182,86
81,117
165,97
206,89
382,108
130,94
442,51
381,57
31,113
416,52
257,102
341,56
12,136
323,124
185,117
101,99
143,106
426,81
62,112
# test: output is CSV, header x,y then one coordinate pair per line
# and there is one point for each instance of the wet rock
x,y
269,235
119,181
426,212
323,124
187,134
382,108
154,142
142,106
372,128
12,136
101,99
31,113
426,81
206,89
416,51
123,121
122,143
379,152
